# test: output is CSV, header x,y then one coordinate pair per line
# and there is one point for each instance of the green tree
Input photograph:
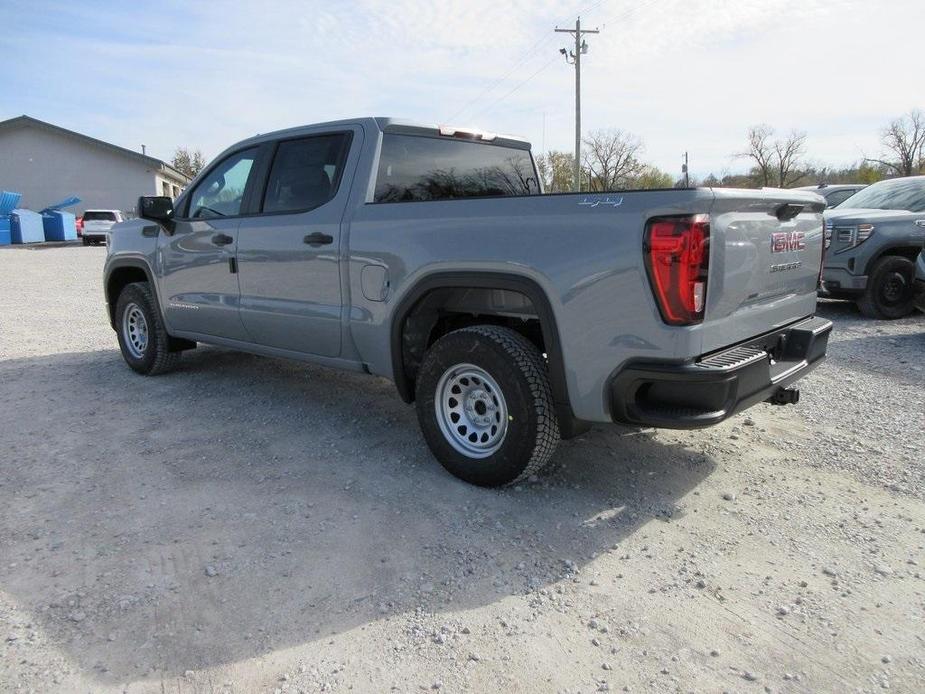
x,y
653,177
188,163
557,171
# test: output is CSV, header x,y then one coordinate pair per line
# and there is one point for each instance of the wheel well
x,y
442,310
445,301
118,279
910,252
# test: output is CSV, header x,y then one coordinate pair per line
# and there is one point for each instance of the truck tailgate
x,y
766,249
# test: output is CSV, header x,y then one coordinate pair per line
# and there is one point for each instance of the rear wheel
x,y
485,405
86,241
889,289
143,340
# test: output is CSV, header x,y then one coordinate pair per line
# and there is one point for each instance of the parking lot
x,y
248,524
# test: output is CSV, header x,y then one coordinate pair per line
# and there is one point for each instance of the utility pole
x,y
686,176
581,46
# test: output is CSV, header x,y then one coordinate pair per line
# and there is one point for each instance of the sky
x,y
680,74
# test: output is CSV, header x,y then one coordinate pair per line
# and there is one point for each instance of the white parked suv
x,y
97,223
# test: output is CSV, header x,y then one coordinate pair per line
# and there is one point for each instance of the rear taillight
x,y
677,254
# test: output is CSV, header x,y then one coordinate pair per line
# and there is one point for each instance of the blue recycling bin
x,y
59,226
26,227
8,202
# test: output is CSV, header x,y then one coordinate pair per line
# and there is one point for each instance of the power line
x,y
540,43
487,109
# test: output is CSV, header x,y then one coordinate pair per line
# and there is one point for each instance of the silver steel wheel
x,y
135,330
471,410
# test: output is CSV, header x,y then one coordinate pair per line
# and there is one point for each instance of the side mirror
x,y
155,207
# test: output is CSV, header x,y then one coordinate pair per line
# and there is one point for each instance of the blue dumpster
x,y
8,202
59,225
26,227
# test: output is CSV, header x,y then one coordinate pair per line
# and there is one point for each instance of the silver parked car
x,y
835,193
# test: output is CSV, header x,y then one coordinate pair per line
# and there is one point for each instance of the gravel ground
x,y
247,524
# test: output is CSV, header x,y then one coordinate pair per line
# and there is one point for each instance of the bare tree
x,y
789,154
612,156
776,162
760,151
904,141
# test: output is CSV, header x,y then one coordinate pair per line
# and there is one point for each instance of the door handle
x,y
222,239
920,222
318,239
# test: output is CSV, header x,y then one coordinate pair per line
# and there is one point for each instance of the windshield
x,y
895,194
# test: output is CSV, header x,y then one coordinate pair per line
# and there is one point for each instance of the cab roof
x,y
398,125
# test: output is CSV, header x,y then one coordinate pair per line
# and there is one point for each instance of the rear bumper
x,y
716,386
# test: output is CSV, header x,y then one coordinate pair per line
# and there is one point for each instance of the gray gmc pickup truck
x,y
431,256
872,241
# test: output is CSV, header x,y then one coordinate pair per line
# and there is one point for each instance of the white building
x,y
47,163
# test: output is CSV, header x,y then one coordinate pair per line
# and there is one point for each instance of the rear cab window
x,y
99,216
415,168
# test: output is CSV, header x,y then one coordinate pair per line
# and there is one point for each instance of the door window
x,y
221,192
305,173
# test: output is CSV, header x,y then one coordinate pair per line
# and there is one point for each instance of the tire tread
x,y
164,359
530,362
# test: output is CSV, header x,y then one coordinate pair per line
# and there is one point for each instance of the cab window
x,y
305,173
221,192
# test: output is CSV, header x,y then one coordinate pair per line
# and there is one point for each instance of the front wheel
x,y
485,405
143,339
889,289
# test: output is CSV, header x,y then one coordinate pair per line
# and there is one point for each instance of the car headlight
x,y
864,232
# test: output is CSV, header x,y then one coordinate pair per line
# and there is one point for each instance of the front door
x,y
199,285
288,251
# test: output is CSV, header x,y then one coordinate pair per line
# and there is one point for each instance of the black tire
x,y
531,430
86,241
155,356
889,289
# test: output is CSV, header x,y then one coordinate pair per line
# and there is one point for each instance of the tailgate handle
x,y
788,211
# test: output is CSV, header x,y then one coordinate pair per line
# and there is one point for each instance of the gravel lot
x,y
247,524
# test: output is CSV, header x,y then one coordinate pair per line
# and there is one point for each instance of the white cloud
x,y
682,74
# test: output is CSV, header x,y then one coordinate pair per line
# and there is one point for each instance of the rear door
x,y
289,250
198,279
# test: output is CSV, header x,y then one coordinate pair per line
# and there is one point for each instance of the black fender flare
x,y
484,280
131,262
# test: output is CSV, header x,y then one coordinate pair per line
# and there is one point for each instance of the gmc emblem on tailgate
x,y
783,241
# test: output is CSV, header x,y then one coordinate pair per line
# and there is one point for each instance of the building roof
x,y
159,164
